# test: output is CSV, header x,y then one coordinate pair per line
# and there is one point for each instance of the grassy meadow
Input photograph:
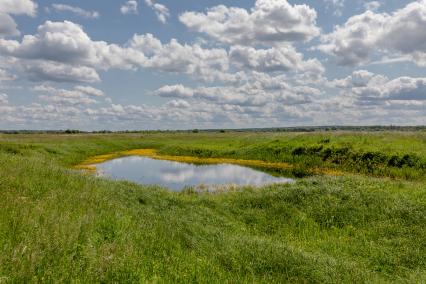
x,y
362,220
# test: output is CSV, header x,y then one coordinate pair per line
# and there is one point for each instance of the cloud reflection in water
x,y
176,175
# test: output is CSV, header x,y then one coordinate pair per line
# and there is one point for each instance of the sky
x,y
167,64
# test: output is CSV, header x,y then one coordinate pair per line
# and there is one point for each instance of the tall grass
x,y
61,225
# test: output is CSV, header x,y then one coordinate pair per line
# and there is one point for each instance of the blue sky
x,y
163,64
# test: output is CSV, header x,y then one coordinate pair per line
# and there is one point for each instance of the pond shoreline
x,y
178,176
90,163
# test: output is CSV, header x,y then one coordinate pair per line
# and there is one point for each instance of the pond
x,y
177,176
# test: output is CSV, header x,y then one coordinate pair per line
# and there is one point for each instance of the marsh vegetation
x,y
357,212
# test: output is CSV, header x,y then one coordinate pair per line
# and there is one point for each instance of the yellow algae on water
x,y
101,158
197,160
90,164
152,153
141,152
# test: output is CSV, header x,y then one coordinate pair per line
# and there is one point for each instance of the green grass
x,y
61,225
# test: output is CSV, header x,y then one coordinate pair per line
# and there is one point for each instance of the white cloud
x,y
353,43
130,7
38,70
269,22
280,59
76,10
178,91
230,95
57,41
373,88
406,88
174,57
18,7
3,99
79,96
213,108
5,76
178,104
89,91
259,90
8,26
372,5
401,33
360,78
65,101
161,11
336,5
62,51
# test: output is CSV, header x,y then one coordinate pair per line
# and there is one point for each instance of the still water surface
x,y
176,175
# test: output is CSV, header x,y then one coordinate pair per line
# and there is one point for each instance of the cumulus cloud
x,y
210,107
272,60
79,96
178,91
174,57
260,90
178,104
130,7
62,51
247,97
353,43
89,91
57,72
76,10
8,26
161,11
403,32
406,88
61,42
172,114
366,86
250,74
268,22
18,7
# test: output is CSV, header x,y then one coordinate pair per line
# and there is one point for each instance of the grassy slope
x,y
57,224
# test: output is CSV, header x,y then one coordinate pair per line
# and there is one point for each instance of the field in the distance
x,y
366,224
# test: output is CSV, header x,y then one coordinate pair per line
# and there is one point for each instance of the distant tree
x,y
71,131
